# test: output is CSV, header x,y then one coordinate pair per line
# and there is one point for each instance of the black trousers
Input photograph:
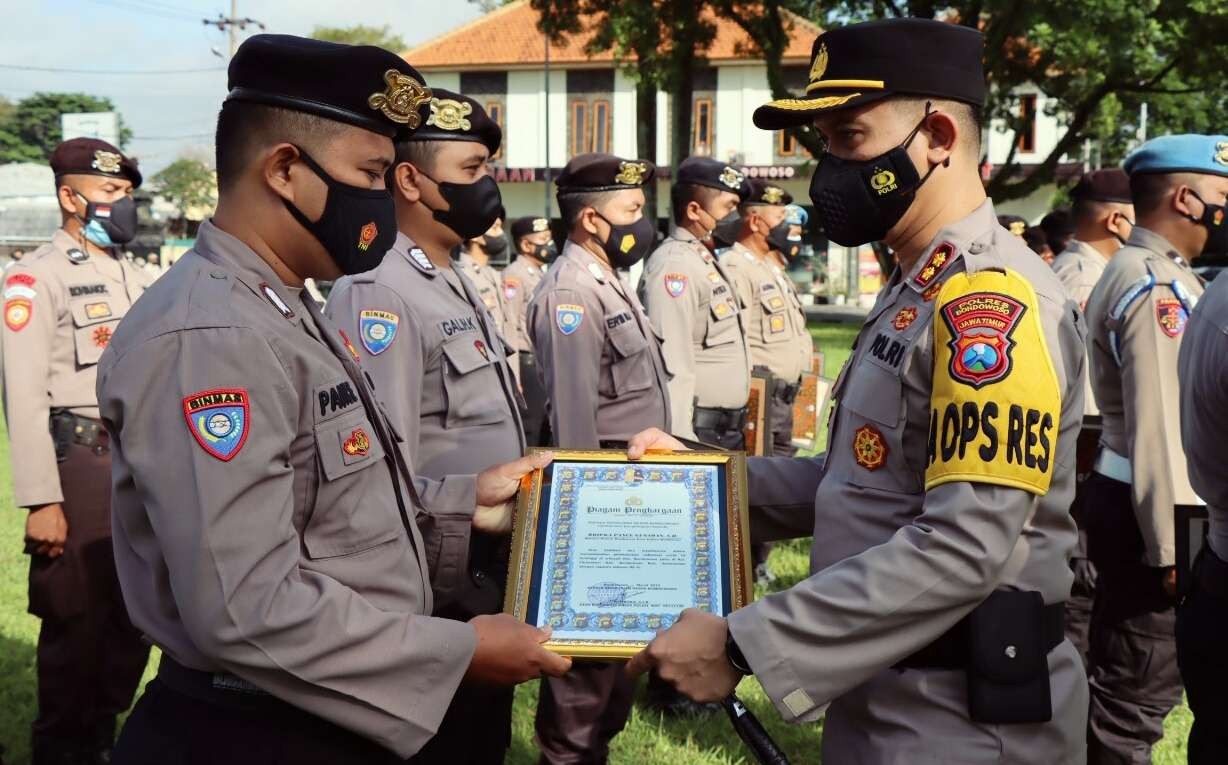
x,y
1202,624
476,729
90,657
167,726
1132,652
1083,589
533,416
781,427
732,440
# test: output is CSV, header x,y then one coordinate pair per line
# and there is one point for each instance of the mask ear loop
x,y
1197,218
908,141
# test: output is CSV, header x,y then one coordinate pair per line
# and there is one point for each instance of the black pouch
x,y
62,425
1008,667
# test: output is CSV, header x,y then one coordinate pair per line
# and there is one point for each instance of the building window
x,y
579,127
702,133
495,110
1027,134
787,144
601,127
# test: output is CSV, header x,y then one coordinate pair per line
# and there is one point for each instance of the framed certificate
x,y
756,433
607,551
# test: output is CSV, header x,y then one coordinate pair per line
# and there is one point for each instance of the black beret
x,y
705,171
1016,224
90,156
359,85
863,63
522,227
452,116
763,193
603,172
1108,185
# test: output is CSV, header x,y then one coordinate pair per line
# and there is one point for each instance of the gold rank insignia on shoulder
x,y
401,98
447,114
106,161
772,195
819,67
631,173
731,178
1221,152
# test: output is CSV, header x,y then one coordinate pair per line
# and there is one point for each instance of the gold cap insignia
x,y
540,224
1221,152
819,67
106,161
1018,227
631,173
447,114
401,98
731,178
772,195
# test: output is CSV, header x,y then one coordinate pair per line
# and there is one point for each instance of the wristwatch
x,y
734,654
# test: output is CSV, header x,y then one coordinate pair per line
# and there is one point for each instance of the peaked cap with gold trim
x,y
862,63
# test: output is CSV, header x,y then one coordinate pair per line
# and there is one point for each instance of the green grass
x,y
648,738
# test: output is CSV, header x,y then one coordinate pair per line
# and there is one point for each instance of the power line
x,y
146,7
57,70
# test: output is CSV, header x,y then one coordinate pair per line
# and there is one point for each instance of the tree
x,y
30,131
360,34
189,185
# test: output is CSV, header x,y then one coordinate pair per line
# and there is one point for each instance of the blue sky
x,y
173,114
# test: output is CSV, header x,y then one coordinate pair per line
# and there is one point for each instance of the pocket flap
x,y
772,300
91,311
874,393
467,352
347,445
627,340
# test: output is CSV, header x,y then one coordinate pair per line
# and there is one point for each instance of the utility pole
x,y
231,23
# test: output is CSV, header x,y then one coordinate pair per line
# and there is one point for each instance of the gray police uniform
x,y
264,526
1136,320
520,280
692,305
489,286
948,478
601,365
1202,616
442,372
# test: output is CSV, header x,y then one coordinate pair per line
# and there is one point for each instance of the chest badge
x,y
102,337
377,329
869,447
481,346
904,318
348,345
675,284
568,318
981,325
218,420
358,444
1171,316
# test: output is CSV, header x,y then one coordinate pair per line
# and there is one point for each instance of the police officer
x,y
601,365
442,371
689,298
475,257
1202,616
534,246
954,432
1136,319
1103,217
774,321
61,306
265,531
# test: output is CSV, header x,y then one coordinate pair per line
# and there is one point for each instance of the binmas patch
x,y
1171,315
377,329
568,317
218,419
675,284
986,424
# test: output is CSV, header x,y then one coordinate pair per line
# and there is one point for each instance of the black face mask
x,y
778,239
859,201
107,224
546,253
472,207
1214,219
627,245
725,233
1118,236
357,226
494,245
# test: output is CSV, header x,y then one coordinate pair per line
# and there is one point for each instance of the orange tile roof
x,y
508,37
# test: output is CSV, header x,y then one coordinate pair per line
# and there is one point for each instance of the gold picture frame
x,y
526,569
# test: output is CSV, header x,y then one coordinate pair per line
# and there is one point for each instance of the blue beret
x,y
796,216
1188,153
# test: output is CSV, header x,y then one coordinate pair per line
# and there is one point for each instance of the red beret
x,y
90,156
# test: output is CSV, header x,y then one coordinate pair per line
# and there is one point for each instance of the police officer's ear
x,y
293,180
406,182
590,221
1185,203
70,201
694,212
941,131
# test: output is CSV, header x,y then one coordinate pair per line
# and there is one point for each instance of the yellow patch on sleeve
x,y
995,404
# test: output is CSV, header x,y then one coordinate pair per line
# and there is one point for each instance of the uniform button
x,y
976,248
479,575
1011,652
218,274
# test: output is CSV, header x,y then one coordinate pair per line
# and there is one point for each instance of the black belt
x,y
719,420
217,688
67,427
1211,573
951,650
785,392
